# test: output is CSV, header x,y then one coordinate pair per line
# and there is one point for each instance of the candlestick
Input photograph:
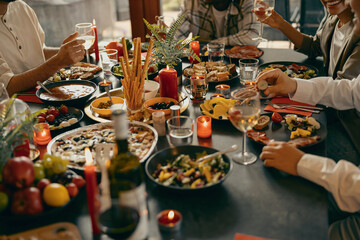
x,y
91,190
195,47
223,89
96,43
168,83
203,124
169,220
104,84
42,135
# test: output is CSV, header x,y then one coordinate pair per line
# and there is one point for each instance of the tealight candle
x,y
217,95
203,124
104,84
223,89
42,134
169,220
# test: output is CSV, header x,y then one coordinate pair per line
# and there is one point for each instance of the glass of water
x,y
87,33
109,58
181,130
248,69
216,52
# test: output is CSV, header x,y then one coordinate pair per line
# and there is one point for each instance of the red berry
x,y
64,109
43,183
50,118
41,119
43,114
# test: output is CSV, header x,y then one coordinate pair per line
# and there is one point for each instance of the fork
x,y
274,105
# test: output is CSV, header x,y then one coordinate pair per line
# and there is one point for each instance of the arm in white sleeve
x,y
340,94
341,179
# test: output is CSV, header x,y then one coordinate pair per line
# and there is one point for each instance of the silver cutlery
x,y
294,105
43,86
231,149
274,105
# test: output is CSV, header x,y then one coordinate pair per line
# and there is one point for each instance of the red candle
x,y
195,47
42,134
169,220
168,83
203,124
91,190
96,43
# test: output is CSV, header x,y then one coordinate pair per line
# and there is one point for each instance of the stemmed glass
x,y
87,33
244,115
263,10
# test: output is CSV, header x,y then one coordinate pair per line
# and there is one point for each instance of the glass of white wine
x,y
87,33
244,115
263,10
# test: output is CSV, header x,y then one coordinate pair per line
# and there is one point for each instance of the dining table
x,y
253,200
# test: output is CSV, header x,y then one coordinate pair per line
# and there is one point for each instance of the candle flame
x,y
88,156
104,82
94,23
167,67
43,133
171,215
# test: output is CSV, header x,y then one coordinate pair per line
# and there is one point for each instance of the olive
x,y
211,111
220,117
214,104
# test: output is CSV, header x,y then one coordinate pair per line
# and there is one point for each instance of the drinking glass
x,y
263,10
244,115
216,52
87,33
248,69
197,88
181,130
109,58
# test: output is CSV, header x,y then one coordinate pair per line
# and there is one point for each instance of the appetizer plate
x,y
73,113
170,154
240,52
289,72
66,144
119,93
280,132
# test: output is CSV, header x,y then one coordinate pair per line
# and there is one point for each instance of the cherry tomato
x,y
50,118
276,117
73,190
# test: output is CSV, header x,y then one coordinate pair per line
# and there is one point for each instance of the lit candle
x,y
217,95
169,220
105,84
223,89
203,124
168,83
195,47
42,134
91,189
96,43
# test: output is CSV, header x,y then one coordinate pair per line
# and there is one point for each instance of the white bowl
x,y
151,88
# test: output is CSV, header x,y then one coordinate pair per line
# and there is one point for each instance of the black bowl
x,y
163,156
120,76
78,102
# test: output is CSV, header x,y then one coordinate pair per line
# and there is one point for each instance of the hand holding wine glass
x,y
244,115
263,9
86,32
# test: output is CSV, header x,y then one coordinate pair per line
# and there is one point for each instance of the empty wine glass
x,y
87,33
263,9
244,115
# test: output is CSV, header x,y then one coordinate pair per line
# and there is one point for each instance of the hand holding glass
x,y
87,33
263,9
244,115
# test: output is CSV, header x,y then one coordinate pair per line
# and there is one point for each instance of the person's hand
x,y
282,156
274,20
281,84
71,51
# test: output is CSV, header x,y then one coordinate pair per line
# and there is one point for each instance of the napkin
x,y
287,110
29,96
239,236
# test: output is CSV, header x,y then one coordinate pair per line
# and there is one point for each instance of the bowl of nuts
x,y
160,104
102,105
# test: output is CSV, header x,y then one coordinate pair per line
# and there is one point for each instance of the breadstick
x,y
126,56
147,60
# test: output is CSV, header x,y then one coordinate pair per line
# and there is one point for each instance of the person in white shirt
x,y
341,179
24,58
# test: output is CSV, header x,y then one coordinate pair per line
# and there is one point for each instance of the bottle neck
x,y
122,145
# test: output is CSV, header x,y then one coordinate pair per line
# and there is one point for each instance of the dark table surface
x,y
253,200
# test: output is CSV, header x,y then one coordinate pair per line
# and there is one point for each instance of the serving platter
x,y
280,132
71,144
290,72
243,52
119,93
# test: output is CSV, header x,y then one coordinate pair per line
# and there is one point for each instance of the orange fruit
x,y
56,195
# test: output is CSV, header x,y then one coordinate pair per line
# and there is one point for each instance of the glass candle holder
x,y
223,89
104,84
217,95
169,220
203,124
42,135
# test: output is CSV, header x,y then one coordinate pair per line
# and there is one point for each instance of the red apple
x,y
27,201
43,183
19,172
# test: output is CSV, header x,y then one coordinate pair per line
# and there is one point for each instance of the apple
x,y
27,201
19,172
43,183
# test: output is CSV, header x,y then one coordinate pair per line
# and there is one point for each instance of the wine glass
x,y
263,10
244,115
87,33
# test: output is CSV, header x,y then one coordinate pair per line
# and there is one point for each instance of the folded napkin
x,y
239,236
29,96
288,110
